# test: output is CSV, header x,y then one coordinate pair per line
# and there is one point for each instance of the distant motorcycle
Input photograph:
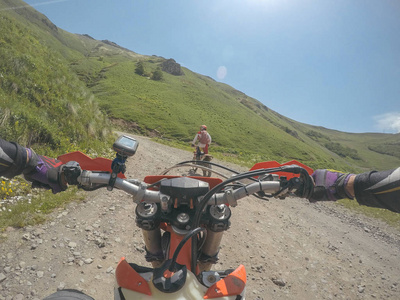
x,y
201,159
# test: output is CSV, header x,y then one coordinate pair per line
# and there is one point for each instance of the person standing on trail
x,y
204,139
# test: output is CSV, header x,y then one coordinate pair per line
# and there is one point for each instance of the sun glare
x,y
264,3
34,4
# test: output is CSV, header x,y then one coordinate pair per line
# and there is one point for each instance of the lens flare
x,y
33,5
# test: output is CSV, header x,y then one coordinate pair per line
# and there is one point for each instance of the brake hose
x,y
196,220
191,234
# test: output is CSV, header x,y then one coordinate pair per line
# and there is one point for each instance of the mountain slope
x,y
175,106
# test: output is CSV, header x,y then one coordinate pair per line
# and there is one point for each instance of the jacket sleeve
x,y
195,138
13,159
379,189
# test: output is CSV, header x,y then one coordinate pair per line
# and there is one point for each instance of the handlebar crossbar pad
x,y
212,181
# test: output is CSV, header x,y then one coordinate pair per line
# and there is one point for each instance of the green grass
x,y
42,103
385,215
36,211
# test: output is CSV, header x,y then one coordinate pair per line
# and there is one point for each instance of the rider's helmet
x,y
203,127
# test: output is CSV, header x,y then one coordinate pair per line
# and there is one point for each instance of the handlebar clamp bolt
x,y
183,218
231,199
164,204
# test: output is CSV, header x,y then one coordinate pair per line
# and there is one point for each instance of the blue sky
x,y
331,63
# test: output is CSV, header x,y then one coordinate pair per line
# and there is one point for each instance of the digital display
x,y
125,145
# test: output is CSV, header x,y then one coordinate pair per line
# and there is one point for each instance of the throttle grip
x,y
71,171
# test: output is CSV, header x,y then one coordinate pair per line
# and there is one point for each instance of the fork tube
x,y
152,240
210,248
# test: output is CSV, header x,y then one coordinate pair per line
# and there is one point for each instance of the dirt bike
x,y
200,159
183,219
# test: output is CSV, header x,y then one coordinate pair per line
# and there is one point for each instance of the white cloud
x,y
221,72
389,122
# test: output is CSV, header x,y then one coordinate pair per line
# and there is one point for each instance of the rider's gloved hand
x,y
330,185
45,172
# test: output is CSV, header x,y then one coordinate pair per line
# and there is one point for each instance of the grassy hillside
x,y
174,107
43,103
171,108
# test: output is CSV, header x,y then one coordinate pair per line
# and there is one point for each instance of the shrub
x,y
139,69
342,151
157,75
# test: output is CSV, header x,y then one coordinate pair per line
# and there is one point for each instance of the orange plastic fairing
x,y
87,163
274,164
231,285
129,279
184,257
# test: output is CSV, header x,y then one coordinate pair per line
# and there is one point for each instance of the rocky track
x,y
291,249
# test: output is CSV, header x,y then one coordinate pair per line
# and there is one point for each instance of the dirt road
x,y
291,249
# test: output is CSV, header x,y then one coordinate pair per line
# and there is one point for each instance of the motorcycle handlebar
x,y
141,194
136,188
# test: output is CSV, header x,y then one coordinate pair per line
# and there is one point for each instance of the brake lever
x,y
289,187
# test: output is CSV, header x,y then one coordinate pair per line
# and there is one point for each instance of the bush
x,y
139,69
342,151
392,149
157,75
317,136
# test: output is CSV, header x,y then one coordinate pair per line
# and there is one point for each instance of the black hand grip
x,y
71,171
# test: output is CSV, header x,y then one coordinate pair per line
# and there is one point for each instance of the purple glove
x,y
46,173
329,185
